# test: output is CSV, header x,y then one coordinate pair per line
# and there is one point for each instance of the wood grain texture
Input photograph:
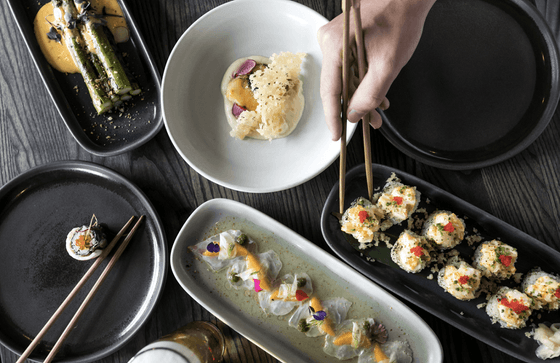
x,y
523,191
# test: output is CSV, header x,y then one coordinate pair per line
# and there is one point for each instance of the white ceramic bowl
x,y
193,108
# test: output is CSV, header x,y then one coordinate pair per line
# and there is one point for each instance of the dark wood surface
x,y
523,191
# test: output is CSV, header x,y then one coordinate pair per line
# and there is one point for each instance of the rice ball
x,y
460,279
544,288
361,220
398,201
509,307
444,228
495,259
411,252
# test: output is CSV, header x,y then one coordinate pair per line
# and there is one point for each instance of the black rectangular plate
x,y
425,293
111,133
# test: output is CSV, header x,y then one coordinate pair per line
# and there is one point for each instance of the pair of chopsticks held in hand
x,y
78,286
351,10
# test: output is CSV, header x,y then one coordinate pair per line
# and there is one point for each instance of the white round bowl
x,y
193,107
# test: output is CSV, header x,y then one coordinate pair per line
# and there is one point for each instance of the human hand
x,y
392,30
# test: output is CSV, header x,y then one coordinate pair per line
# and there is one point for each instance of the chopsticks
x,y
78,286
355,8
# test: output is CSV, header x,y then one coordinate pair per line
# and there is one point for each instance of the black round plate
x,y
481,87
37,210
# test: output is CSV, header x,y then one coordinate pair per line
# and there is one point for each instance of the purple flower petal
x,y
245,68
321,315
213,247
237,110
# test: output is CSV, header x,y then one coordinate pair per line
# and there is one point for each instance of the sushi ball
x,y
362,220
444,229
86,242
509,307
495,259
544,288
398,201
411,252
459,279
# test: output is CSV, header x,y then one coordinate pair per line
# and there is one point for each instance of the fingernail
x,y
355,116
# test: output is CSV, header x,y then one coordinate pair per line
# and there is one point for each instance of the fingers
x,y
331,83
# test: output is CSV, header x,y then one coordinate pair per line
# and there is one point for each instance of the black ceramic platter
x,y
114,132
37,210
418,288
482,85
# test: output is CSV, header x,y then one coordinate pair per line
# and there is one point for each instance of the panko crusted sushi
x,y
543,287
495,259
361,220
459,279
398,201
444,229
411,252
509,307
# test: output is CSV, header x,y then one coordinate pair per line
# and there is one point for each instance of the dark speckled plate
x,y
111,133
425,292
482,85
37,210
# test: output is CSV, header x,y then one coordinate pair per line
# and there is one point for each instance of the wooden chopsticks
x,y
354,7
78,286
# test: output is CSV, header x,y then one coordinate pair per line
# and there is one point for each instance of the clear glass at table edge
x,y
196,342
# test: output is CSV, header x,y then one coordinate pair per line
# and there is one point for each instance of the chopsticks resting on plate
x,y
78,286
354,7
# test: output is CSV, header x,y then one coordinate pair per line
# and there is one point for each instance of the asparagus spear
x,y
72,39
102,47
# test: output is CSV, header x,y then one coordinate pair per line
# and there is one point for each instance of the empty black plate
x,y
111,133
481,87
37,210
425,292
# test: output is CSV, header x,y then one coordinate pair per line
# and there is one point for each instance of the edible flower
x,y
213,247
257,285
301,295
363,216
514,305
449,227
463,279
237,110
320,315
245,68
557,293
399,200
417,251
505,260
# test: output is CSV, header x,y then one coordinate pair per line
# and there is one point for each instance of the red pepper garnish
x,y
514,305
398,200
449,227
463,279
363,216
417,251
301,295
505,260
557,293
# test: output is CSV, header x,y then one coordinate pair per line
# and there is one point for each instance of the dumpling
x,y
219,250
287,293
316,317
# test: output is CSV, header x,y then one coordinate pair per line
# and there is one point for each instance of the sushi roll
x,y
495,259
509,307
362,220
459,279
411,252
398,201
86,242
544,288
444,229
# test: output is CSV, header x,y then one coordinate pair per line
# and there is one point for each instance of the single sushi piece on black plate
x,y
495,259
444,229
543,287
509,307
460,279
86,242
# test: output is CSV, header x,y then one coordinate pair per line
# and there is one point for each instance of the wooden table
x,y
523,191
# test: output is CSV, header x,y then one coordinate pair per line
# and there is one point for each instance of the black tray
x,y
482,85
37,210
426,293
111,133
